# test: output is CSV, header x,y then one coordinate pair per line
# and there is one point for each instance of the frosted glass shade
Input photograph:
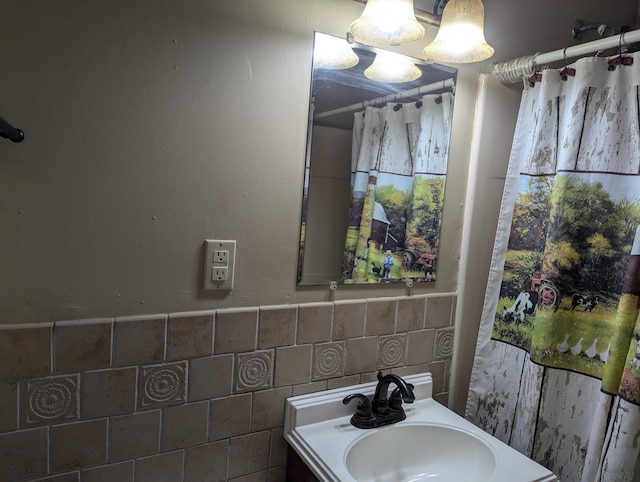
x,y
333,53
460,38
392,68
387,21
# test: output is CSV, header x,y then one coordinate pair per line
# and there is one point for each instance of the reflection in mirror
x,y
376,163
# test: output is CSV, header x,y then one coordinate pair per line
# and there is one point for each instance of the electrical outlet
x,y
219,274
221,257
219,264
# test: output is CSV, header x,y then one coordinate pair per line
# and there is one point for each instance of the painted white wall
x,y
150,126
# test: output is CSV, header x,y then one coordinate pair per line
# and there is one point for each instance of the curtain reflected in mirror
x,y
376,167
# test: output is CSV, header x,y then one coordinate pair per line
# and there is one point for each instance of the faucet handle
x,y
363,418
363,409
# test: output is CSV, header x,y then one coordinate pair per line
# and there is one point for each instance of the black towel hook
x,y
9,132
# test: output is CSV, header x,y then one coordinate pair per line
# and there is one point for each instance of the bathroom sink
x,y
432,444
418,452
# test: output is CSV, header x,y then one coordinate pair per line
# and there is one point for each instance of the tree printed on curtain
x,y
399,164
557,368
568,252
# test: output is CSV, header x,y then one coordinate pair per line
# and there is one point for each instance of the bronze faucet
x,y
382,410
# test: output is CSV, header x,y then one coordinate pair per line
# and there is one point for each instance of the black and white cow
x,y
525,304
589,302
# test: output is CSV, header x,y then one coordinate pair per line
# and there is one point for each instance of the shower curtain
x,y
399,164
556,373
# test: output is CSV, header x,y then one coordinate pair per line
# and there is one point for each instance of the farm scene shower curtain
x,y
399,164
557,367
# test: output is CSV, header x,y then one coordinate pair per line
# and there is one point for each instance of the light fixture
x,y
387,21
392,68
333,53
460,38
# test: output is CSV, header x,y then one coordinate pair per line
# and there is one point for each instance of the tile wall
x,y
196,397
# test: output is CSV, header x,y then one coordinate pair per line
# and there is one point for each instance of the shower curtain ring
x,y
564,53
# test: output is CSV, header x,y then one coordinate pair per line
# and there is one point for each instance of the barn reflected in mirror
x,y
376,164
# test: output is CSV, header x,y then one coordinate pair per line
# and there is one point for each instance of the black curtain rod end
x,y
19,137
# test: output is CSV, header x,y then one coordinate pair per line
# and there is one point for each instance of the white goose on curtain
x,y
557,367
399,163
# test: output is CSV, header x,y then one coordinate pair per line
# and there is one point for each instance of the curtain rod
x,y
512,71
423,89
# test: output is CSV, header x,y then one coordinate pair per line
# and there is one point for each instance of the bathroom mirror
x,y
376,163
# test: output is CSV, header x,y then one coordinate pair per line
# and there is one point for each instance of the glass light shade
x,y
387,21
460,38
392,68
333,53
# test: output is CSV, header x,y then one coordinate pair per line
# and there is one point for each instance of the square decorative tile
x,y
139,340
312,387
160,467
268,408
411,313
25,350
229,416
254,371
328,360
79,444
444,343
314,322
121,472
293,365
8,405
361,355
439,309
183,426
23,454
189,336
50,399
276,326
206,463
421,347
348,319
279,446
381,316
81,345
105,393
135,435
392,351
249,454
160,385
235,330
210,377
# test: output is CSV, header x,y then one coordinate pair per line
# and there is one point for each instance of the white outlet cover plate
x,y
211,263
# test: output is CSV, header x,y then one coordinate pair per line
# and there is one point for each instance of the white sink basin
x,y
418,452
432,444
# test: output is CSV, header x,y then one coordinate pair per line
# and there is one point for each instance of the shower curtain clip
x,y
619,60
566,72
532,79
